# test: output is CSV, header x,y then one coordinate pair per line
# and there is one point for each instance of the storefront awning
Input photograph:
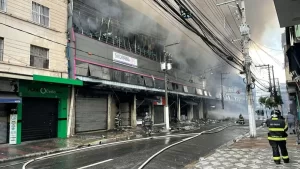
x,y
50,79
10,98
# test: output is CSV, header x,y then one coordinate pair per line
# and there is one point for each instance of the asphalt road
x,y
133,154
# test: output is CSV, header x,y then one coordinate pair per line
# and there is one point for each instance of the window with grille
x,y
40,14
1,48
2,5
39,57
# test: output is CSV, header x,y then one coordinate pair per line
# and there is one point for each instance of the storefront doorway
x,y
40,118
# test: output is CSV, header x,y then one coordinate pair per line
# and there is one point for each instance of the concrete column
x,y
201,115
71,114
133,112
190,112
110,119
151,111
178,109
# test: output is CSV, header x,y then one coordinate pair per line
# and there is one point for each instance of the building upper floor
x,y
116,42
33,37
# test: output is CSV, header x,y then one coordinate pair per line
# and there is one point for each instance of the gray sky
x,y
265,30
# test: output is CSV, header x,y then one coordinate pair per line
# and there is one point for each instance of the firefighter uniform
x,y
277,137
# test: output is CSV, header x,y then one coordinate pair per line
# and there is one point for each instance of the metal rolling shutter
x,y
159,114
39,118
91,114
125,114
3,124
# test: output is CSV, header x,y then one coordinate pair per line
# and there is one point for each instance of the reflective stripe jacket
x,y
277,129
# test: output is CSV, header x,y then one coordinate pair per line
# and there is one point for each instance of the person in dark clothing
x,y
277,136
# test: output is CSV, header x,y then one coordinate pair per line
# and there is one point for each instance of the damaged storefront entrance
x,y
124,105
143,105
91,108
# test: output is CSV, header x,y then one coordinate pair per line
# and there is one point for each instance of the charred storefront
x,y
122,62
91,107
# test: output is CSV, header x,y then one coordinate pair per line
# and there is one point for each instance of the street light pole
x,y
166,93
166,61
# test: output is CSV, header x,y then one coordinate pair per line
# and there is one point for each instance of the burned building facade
x,y
117,52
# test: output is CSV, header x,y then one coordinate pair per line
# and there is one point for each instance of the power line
x,y
268,47
210,41
233,17
257,52
170,21
221,10
72,48
189,26
274,59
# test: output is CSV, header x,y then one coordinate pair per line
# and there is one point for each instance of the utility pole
x,y
278,84
245,33
269,73
279,94
167,65
222,91
274,84
166,93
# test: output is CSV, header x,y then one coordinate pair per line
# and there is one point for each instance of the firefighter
x,y
277,136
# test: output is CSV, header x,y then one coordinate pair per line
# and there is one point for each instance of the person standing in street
x,y
277,136
291,123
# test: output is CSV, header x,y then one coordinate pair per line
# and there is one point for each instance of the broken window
x,y
112,30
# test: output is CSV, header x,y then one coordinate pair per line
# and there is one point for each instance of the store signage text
x,y
43,90
13,129
123,59
160,101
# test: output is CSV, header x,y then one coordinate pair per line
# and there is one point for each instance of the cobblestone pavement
x,y
250,153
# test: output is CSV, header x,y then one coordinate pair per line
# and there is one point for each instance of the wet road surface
x,y
133,154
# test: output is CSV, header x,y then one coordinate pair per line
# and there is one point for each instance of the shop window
x,y
1,48
40,14
39,57
3,5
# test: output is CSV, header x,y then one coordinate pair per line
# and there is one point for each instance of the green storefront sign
x,y
45,90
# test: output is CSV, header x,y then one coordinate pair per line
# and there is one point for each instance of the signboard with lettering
x,y
125,60
160,101
37,89
13,129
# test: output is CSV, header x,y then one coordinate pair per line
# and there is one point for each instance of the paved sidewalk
x,y
250,153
